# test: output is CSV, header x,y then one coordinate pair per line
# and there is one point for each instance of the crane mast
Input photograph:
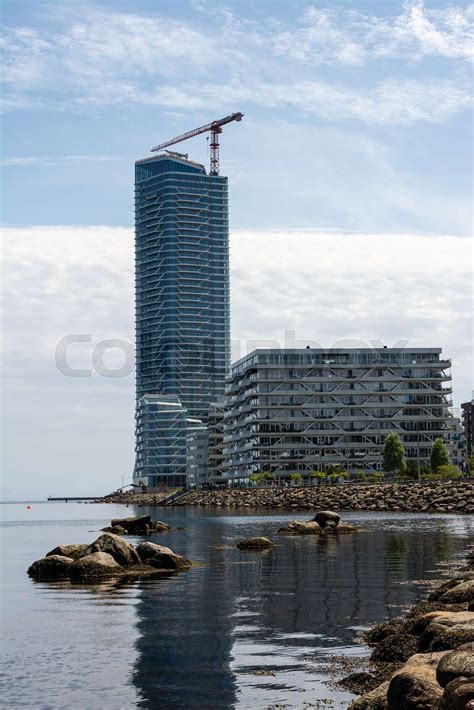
x,y
215,128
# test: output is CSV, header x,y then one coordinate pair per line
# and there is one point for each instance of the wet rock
x,y
51,568
454,664
463,592
299,527
395,647
122,551
255,543
73,551
381,631
448,630
115,530
327,517
135,525
407,691
374,700
458,695
159,526
94,566
161,557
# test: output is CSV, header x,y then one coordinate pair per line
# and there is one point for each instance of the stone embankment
x,y
131,498
436,497
425,660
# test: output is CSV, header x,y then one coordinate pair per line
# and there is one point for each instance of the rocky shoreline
x,y
425,659
427,497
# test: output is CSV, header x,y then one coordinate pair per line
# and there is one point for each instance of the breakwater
x,y
436,497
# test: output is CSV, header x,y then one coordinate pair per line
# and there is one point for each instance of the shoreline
x,y
425,655
427,497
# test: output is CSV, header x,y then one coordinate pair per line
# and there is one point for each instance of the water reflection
x,y
205,635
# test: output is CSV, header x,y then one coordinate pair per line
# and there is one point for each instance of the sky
x,y
350,194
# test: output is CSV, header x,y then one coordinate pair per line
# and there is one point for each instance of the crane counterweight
x,y
215,127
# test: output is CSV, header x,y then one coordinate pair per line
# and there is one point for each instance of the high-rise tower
x,y
182,290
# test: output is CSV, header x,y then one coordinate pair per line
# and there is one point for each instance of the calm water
x,y
197,639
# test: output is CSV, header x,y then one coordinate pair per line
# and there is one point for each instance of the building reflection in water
x,y
202,631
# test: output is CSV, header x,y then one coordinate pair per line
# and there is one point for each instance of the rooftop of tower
x,y
174,157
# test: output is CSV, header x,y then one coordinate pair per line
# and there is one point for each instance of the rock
x,y
381,631
298,527
406,691
327,517
395,647
73,551
139,524
374,700
255,543
122,551
448,630
94,566
51,567
159,526
161,557
455,664
458,695
463,592
115,530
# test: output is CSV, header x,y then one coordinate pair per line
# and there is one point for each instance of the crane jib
x,y
215,128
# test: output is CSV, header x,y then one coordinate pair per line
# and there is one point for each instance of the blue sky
x,y
357,114
350,192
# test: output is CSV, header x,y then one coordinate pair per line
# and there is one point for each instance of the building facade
x,y
162,427
468,424
304,410
182,290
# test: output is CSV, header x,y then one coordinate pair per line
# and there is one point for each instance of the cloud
x,y
110,58
43,161
324,287
341,36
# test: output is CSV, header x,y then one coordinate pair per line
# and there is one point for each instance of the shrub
x,y
449,472
296,477
361,475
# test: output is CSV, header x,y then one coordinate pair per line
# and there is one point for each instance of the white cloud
x,y
324,286
114,58
341,36
45,161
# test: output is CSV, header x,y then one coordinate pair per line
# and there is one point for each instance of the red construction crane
x,y
215,128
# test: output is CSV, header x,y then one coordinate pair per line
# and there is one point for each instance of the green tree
x,y
296,477
393,454
412,469
439,454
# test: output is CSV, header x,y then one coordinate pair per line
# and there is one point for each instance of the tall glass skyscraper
x,y
182,287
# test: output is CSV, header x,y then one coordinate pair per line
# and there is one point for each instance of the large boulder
x,y
51,568
122,551
458,695
137,525
73,551
463,592
448,630
255,543
421,666
161,557
408,691
327,517
94,566
454,664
